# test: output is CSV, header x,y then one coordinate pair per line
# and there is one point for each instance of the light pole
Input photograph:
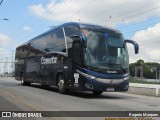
x,y
154,68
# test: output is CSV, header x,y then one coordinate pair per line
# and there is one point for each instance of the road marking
x,y
16,99
21,101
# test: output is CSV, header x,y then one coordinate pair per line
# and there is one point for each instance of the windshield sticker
x,y
76,76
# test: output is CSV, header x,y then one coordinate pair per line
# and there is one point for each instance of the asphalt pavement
x,y
15,97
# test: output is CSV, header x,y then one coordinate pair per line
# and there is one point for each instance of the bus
x,y
76,56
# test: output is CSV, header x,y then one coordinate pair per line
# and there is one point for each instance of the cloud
x,y
2,50
27,29
109,13
5,48
5,44
100,12
149,43
4,38
38,10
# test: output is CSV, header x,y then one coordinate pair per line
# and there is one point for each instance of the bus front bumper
x,y
92,83
108,85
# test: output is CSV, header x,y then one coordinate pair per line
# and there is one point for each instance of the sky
x,y
138,20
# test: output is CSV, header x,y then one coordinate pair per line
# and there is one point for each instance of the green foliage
x,y
147,73
149,68
139,62
132,69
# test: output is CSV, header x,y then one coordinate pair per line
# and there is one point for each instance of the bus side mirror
x,y
136,46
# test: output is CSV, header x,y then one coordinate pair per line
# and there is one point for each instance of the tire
x,y
61,84
97,92
45,86
23,82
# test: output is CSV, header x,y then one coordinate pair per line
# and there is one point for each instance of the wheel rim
x,y
22,81
61,84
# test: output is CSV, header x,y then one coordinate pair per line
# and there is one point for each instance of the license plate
x,y
110,89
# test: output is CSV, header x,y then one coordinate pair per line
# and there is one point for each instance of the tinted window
x,y
59,41
54,41
21,52
115,40
71,30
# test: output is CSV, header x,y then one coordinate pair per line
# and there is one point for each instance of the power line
x,y
91,2
38,23
119,5
144,20
106,11
117,20
135,28
132,11
84,7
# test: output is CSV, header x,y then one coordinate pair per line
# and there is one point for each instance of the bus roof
x,y
81,25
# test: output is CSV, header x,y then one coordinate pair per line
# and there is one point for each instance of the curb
x,y
144,89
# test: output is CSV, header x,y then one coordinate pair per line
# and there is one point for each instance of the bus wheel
x,y
97,92
23,82
43,85
61,84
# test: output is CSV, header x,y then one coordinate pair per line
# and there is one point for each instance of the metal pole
x,y
12,64
156,74
159,76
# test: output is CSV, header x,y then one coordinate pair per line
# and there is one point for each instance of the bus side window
x,y
71,30
22,51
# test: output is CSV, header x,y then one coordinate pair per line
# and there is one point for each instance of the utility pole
x,y
5,66
154,68
1,43
12,61
159,76
0,66
156,73
0,54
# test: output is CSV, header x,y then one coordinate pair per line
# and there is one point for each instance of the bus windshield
x,y
105,51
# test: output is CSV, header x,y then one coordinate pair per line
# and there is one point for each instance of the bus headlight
x,y
126,78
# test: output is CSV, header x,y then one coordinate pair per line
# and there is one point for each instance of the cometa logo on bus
x,y
51,60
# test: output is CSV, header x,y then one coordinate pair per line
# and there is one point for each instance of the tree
x,y
139,62
148,71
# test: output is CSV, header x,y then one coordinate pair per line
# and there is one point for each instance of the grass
x,y
142,82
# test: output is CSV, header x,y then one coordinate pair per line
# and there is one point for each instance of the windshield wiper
x,y
111,65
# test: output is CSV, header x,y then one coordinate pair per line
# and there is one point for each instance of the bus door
x,y
77,61
31,64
